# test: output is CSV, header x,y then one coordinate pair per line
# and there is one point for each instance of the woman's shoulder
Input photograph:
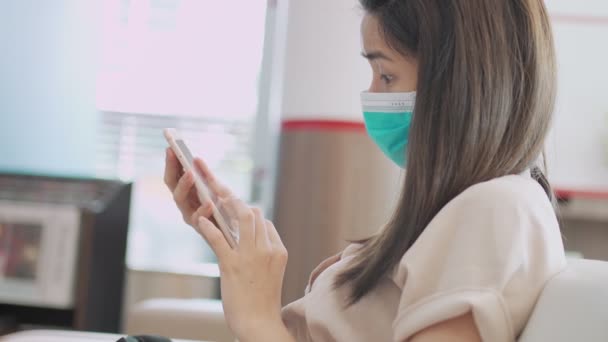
x,y
504,192
509,198
492,248
496,225
501,212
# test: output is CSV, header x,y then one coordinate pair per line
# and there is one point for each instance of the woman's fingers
x,y
216,187
273,235
204,169
173,169
245,220
254,230
261,236
205,210
182,189
214,238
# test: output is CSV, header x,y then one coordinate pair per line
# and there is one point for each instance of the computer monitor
x,y
62,251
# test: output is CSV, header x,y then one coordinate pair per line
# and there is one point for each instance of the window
x,y
189,64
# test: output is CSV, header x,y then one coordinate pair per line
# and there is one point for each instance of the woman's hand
x,y
252,273
181,185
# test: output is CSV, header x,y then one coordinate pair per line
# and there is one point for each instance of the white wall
x,y
324,75
47,84
324,72
578,146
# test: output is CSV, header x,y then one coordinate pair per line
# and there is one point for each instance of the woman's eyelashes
x,y
386,79
381,83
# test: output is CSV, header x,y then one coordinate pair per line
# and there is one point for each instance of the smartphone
x,y
181,150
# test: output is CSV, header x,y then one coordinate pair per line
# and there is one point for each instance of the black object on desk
x,y
144,338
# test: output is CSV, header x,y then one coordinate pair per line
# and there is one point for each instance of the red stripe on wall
x,y
323,125
579,19
354,126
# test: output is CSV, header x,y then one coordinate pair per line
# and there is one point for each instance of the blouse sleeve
x,y
488,252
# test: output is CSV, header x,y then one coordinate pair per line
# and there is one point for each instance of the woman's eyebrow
x,y
373,55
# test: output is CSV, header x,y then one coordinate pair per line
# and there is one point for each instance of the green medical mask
x,y
388,117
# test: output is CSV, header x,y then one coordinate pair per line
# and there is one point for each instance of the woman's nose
x,y
374,87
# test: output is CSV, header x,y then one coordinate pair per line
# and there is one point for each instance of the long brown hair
x,y
485,98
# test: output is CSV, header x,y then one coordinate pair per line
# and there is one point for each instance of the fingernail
x,y
208,205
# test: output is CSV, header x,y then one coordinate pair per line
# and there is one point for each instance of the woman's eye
x,y
387,79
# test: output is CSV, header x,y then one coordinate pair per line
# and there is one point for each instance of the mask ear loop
x,y
538,173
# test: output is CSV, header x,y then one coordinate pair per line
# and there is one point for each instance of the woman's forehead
x,y
373,41
371,36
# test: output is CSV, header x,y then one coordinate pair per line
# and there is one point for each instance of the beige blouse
x,y
489,251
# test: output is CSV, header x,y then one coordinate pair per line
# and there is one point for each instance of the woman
x,y
462,98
